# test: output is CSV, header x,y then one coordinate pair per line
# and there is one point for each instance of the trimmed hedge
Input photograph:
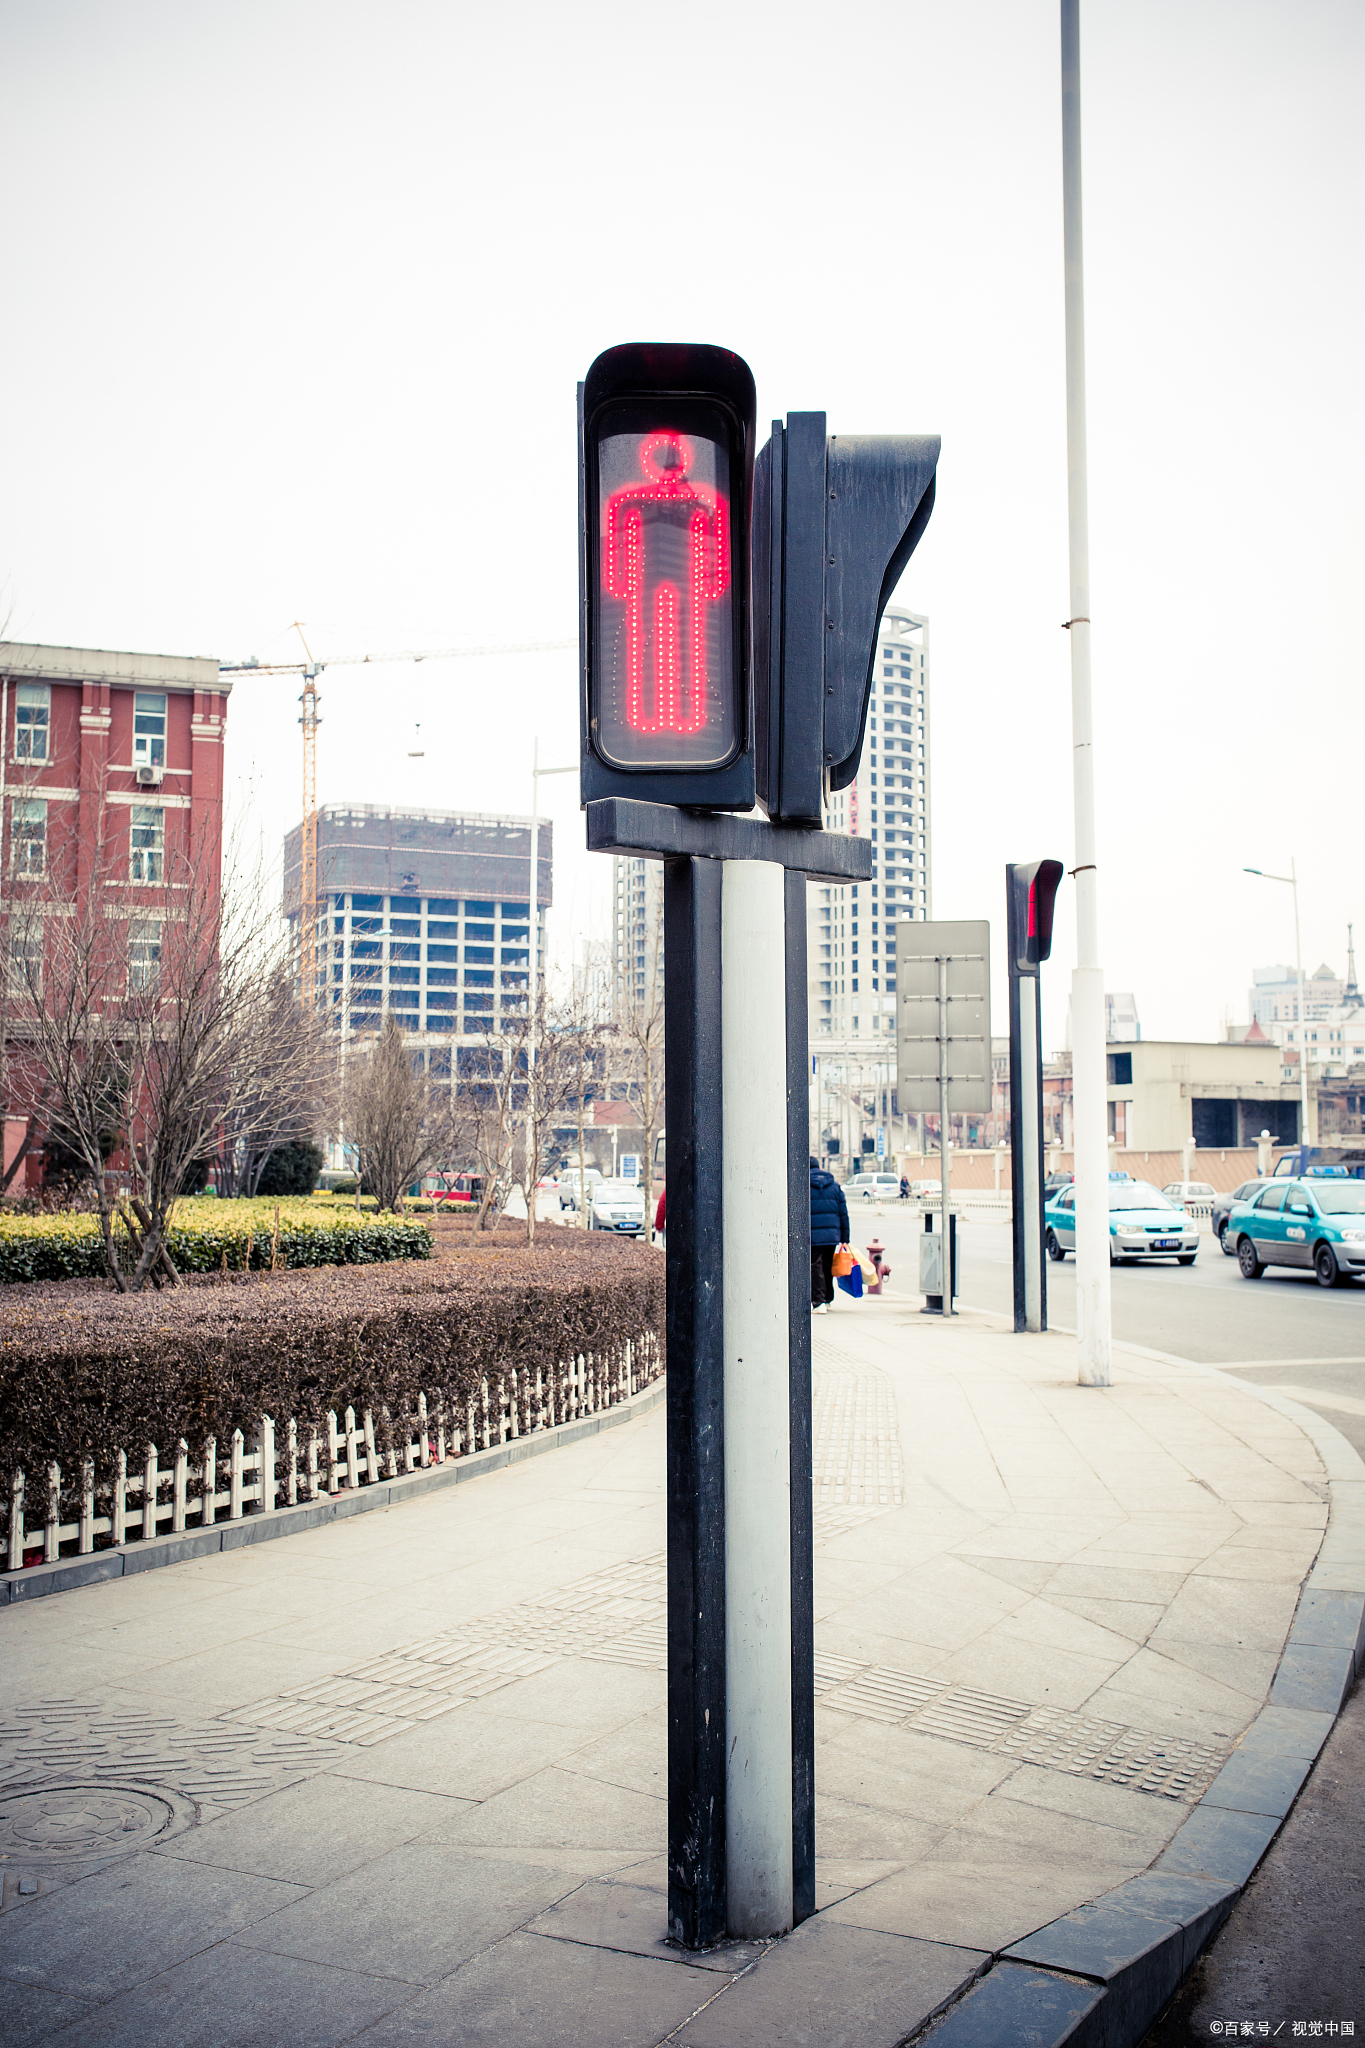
x,y
85,1371
204,1232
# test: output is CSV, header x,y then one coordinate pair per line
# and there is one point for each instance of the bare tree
x,y
146,1021
639,1022
290,1092
400,1119
552,1045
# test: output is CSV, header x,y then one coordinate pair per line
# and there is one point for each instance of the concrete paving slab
x,y
984,1905
130,1920
225,1998
528,1990
831,1986
467,1753
555,1807
626,1917
29,2013
416,1913
317,1824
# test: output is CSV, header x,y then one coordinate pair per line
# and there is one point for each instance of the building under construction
x,y
424,913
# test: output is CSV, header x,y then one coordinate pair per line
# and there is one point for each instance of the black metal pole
x,y
695,1404
1037,1222
1018,1221
802,1503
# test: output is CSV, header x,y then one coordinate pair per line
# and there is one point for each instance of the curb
x,y
41,1579
1101,1977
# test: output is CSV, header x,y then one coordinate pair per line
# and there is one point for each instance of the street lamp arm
x,y
1266,876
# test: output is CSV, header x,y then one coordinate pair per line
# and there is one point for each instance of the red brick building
x,y
111,779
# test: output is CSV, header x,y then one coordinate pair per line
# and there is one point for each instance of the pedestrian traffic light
x,y
666,455
1031,896
836,519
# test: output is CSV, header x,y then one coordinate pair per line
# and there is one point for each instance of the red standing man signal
x,y
688,532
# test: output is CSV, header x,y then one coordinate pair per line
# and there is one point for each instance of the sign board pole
x,y
948,1274
741,1668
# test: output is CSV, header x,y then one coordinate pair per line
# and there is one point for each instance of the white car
x,y
617,1205
1181,1192
874,1187
569,1185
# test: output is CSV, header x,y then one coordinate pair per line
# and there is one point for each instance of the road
x,y
1283,1331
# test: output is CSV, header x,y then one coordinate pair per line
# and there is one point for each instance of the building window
x,y
32,719
148,844
24,965
29,838
149,729
144,952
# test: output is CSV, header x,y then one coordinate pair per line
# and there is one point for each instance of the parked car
x,y
1182,1191
1317,1225
1143,1224
1055,1181
617,1205
1222,1209
569,1183
874,1187
924,1190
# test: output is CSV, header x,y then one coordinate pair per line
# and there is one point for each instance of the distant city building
x,y
427,914
1331,1031
852,926
1274,998
637,932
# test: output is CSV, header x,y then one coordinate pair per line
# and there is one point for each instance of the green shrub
x,y
206,1235
291,1170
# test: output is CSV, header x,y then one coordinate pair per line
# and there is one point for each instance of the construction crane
x,y
309,670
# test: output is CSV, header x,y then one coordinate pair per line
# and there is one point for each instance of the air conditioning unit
x,y
149,777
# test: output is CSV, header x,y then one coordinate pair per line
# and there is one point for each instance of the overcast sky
x,y
297,296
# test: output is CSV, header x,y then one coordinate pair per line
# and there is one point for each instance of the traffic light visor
x,y
1033,889
666,664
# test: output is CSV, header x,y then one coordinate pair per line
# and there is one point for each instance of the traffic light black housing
x,y
666,466
1031,896
836,519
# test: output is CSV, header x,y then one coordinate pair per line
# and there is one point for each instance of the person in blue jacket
x,y
828,1230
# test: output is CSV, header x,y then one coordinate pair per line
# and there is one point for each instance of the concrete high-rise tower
x,y
851,933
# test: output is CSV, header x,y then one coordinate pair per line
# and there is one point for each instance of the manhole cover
x,y
78,1823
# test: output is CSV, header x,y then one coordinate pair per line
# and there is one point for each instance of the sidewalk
x,y
401,1778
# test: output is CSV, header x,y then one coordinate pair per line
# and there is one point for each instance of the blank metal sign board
x,y
919,949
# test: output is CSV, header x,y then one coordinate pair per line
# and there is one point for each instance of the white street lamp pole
x,y
533,908
1089,1077
1292,878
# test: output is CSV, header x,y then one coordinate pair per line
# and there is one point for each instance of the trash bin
x,y
931,1261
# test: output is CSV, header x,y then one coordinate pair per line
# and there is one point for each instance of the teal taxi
x,y
1143,1224
1315,1224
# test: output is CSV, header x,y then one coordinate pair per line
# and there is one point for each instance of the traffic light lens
x,y
665,660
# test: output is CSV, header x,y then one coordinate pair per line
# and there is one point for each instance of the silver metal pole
x,y
946,1246
1029,1113
757,1441
1089,1075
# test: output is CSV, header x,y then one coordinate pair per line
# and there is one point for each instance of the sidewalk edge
x,y
39,1580
1102,1976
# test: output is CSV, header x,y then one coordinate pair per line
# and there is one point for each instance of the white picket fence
x,y
312,1462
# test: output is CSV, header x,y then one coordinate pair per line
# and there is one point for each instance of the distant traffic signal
x,y
1031,896
836,519
666,455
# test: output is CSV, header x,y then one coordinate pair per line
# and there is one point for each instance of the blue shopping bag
x,y
852,1283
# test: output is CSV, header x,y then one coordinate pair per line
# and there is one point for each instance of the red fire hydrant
x,y
882,1270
